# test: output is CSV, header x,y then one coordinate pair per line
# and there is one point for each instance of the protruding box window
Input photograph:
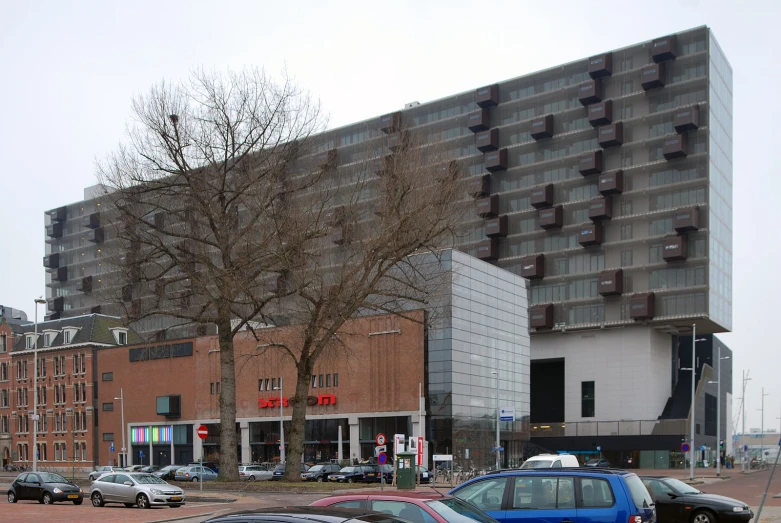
x,y
542,196
552,218
590,163
541,316
590,92
488,207
57,304
611,135
61,274
601,208
479,186
496,160
85,285
687,119
52,261
390,123
652,76
97,309
663,49
91,221
486,141
479,120
330,158
542,127
58,215
54,230
611,282
674,146
95,235
487,96
611,183
600,66
641,306
496,227
488,250
675,248
687,220
396,141
590,234
601,113
340,235
533,267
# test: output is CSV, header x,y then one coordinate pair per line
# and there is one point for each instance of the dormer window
x,y
48,337
30,341
120,335
68,333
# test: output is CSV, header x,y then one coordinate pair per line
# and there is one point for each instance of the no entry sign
x,y
203,431
380,440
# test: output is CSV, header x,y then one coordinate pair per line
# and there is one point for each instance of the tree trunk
x,y
295,449
229,462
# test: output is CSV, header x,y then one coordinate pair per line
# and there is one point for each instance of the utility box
x,y
406,470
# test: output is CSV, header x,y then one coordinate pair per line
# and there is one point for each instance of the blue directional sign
x,y
703,447
499,449
745,448
599,449
112,447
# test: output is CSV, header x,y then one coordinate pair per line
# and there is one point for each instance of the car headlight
x,y
56,490
737,509
80,491
155,491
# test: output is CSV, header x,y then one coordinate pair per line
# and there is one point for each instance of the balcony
x,y
487,96
61,274
675,248
91,221
84,285
479,120
479,186
488,250
496,160
652,76
674,147
533,267
58,215
390,123
56,304
52,261
541,316
396,141
54,230
552,218
611,183
590,163
601,209
600,66
687,119
95,235
488,207
611,135
687,220
542,196
601,113
611,282
542,127
590,92
330,158
589,235
663,49
641,306
486,141
496,227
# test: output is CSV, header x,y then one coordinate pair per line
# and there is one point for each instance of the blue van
x,y
574,495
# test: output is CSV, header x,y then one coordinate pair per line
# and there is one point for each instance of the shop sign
x,y
311,401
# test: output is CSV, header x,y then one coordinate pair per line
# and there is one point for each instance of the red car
x,y
417,507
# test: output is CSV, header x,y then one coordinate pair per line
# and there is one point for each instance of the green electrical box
x,y
406,470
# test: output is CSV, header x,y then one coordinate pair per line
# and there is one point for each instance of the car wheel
x,y
319,479
703,516
78,501
194,479
46,499
97,499
91,477
351,480
252,478
130,505
142,501
11,497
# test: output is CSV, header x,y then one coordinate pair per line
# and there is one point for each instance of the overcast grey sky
x,y
69,70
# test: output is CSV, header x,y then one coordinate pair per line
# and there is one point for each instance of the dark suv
x,y
320,472
575,494
356,473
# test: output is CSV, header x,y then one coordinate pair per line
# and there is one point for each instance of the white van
x,y
545,461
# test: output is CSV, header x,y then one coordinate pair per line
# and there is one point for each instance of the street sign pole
x,y
203,433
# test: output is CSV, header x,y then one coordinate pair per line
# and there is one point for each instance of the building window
x,y
626,258
66,337
83,363
122,338
260,385
75,364
108,376
108,407
327,380
218,387
83,451
211,388
29,342
4,398
320,381
314,382
108,436
47,340
4,343
3,371
587,399
336,379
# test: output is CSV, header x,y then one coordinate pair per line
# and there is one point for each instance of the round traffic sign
x,y
382,458
380,439
203,431
685,447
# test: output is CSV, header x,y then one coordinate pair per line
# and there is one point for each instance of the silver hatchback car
x,y
135,488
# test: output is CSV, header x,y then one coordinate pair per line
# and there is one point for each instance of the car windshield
x,y
639,493
279,468
680,486
537,464
50,477
147,479
316,468
454,510
347,470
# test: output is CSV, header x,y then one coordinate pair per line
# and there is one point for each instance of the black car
x,y
44,487
167,472
279,471
320,473
602,463
308,515
677,502
356,473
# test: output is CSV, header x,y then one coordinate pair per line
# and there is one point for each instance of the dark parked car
x,y
677,502
168,472
208,464
149,469
307,515
356,473
279,470
320,473
601,463
44,487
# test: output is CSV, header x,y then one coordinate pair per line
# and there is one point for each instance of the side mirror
x,y
672,495
128,483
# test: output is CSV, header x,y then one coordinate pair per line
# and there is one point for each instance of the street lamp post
x,y
123,454
762,429
38,301
718,407
743,430
496,373
281,425
694,404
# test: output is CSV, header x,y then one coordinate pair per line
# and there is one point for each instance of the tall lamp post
x,y
762,425
743,430
38,301
496,373
717,381
694,403
123,454
281,425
